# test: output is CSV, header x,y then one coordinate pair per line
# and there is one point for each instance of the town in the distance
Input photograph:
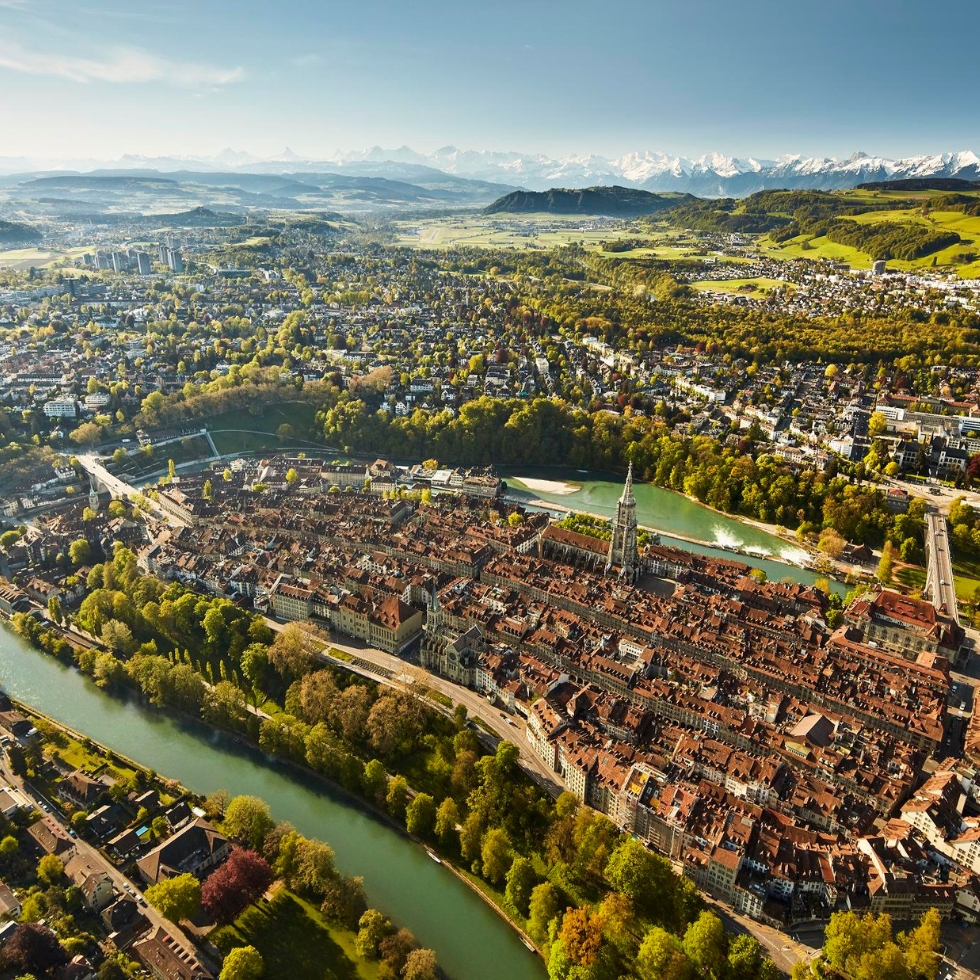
x,y
616,551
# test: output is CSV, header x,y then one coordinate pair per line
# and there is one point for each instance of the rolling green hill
x,y
613,202
908,222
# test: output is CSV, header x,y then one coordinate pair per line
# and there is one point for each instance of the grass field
x,y
24,258
757,288
237,432
295,941
966,226
966,576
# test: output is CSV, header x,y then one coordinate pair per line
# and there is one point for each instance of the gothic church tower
x,y
623,551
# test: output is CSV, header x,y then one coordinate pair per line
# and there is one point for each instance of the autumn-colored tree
x,y
229,890
33,949
581,935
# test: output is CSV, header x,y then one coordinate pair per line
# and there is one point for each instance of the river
x,y
667,512
472,942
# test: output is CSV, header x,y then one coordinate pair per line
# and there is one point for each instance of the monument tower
x,y
623,551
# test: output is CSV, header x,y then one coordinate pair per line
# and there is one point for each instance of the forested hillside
x,y
617,202
13,233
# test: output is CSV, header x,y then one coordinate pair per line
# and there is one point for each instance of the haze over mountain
x,y
710,175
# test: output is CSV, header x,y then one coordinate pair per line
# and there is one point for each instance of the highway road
x,y
939,578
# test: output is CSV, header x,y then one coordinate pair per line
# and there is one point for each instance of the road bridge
x,y
107,482
940,587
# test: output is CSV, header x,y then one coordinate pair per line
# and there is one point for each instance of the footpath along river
x,y
667,512
472,942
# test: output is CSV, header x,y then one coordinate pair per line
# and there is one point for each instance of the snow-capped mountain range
x,y
711,175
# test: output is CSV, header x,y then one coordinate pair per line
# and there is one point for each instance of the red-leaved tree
x,y
235,885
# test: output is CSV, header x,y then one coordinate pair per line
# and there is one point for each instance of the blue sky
x,y
105,77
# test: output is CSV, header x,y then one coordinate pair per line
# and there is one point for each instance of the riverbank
x,y
451,919
357,800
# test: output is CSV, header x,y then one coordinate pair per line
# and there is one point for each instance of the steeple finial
x,y
628,487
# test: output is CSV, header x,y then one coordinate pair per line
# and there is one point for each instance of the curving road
x,y
385,668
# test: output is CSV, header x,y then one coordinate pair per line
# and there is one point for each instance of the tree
x,y
642,876
661,957
471,836
79,552
420,965
344,901
396,948
54,609
118,637
375,782
291,476
350,712
372,928
293,652
397,797
229,890
447,817
243,963
495,855
9,538
248,818
877,425
704,944
521,879
420,816
50,870
545,905
176,898
831,543
921,947
207,491
744,958
313,871
8,848
392,725
886,563
581,936
33,948
87,434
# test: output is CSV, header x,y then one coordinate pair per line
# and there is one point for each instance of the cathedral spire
x,y
627,497
623,552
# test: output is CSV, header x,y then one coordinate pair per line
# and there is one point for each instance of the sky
x,y
103,78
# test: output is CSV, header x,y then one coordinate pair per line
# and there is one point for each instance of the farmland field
x,y
545,231
966,226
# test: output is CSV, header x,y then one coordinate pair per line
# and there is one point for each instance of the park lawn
x,y
189,449
966,576
911,576
237,432
295,941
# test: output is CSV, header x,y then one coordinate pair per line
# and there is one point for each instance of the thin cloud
x,y
123,66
